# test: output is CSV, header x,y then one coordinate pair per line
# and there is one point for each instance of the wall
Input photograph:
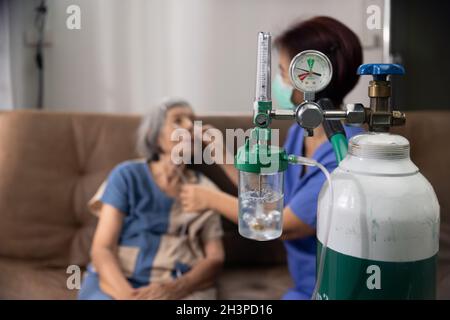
x,y
5,58
22,68
129,54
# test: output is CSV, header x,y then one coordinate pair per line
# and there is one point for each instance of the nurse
x,y
302,184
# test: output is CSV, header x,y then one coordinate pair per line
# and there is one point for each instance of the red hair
x,y
334,39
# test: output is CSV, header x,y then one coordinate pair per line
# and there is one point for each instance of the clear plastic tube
x,y
263,80
313,163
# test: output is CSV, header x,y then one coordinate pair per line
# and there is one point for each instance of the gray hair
x,y
150,127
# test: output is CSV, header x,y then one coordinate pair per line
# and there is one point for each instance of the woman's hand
x,y
206,134
195,198
160,291
214,137
127,295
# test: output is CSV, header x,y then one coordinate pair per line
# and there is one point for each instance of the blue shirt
x,y
158,240
301,196
132,190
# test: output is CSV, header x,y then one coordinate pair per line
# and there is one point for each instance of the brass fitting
x,y
380,116
379,89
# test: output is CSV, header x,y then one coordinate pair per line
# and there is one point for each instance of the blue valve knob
x,y
380,71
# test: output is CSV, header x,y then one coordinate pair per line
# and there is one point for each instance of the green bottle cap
x,y
257,156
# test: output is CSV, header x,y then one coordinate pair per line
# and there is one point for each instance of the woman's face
x,y
179,117
283,65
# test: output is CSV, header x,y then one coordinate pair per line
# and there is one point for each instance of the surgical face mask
x,y
282,93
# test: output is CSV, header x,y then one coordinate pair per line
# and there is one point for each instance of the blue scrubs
x,y
301,196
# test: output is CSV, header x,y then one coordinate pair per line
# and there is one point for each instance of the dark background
x,y
420,40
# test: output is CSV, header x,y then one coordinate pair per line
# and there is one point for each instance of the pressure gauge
x,y
310,71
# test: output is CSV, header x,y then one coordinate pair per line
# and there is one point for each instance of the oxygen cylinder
x,y
384,228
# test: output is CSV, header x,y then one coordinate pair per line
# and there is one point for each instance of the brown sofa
x,y
52,163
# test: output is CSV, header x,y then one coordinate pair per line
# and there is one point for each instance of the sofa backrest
x,y
52,163
50,166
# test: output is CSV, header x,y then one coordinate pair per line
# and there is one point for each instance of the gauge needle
x,y
303,76
315,73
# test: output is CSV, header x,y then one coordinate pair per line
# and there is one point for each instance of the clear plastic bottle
x,y
261,205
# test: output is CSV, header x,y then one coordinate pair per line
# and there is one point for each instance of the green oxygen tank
x,y
382,236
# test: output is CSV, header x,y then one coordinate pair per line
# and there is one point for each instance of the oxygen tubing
x,y
335,131
313,163
340,146
336,135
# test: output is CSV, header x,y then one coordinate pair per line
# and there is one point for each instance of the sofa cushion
x,y
257,283
21,279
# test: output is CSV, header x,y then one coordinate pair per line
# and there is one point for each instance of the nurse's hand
x,y
195,198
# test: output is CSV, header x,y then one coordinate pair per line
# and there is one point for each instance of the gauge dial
x,y
310,71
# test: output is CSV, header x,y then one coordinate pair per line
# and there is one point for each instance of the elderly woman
x,y
145,246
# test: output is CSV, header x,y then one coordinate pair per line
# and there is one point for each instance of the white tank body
x,y
384,234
